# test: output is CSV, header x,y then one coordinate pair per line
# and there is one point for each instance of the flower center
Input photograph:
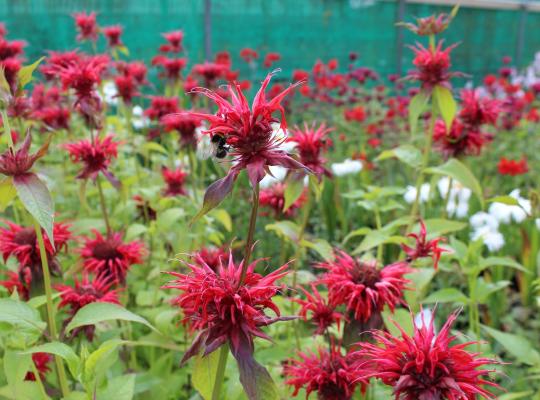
x,y
366,273
26,236
106,251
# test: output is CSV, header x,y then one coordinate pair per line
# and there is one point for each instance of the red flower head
x,y
248,132
57,61
432,25
300,75
127,88
185,124
223,57
175,180
222,309
110,257
11,49
357,114
512,167
210,256
461,140
432,66
174,40
274,199
311,142
423,247
323,314
270,59
136,69
249,55
3,30
476,111
329,373
172,67
21,243
112,34
362,287
161,106
13,283
427,365
11,67
210,71
86,26
95,156
41,361
48,107
17,163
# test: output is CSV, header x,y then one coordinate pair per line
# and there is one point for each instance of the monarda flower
x,y
426,366
41,361
427,26
95,156
186,125
136,69
476,110
273,198
56,61
172,67
460,140
249,135
227,311
161,106
13,284
175,180
17,163
432,66
362,287
86,291
248,55
210,72
211,257
270,59
512,167
86,26
357,114
174,42
127,88
11,49
311,143
423,247
110,257
21,243
332,375
322,314
112,34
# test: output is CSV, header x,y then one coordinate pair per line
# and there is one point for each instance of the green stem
x,y
379,227
425,162
220,373
50,307
103,205
251,232
7,127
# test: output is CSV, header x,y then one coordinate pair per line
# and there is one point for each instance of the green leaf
x,y
223,217
25,73
119,388
135,230
417,106
445,103
98,358
441,226
516,345
94,313
321,246
458,171
167,218
502,262
375,238
25,322
61,350
293,190
508,200
147,147
36,198
408,154
7,192
447,295
516,395
16,365
204,373
401,317
285,229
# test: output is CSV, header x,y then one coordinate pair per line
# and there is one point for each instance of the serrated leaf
x,y
7,192
37,200
417,106
408,154
458,171
204,373
516,345
215,194
94,313
61,350
25,73
445,103
24,319
447,295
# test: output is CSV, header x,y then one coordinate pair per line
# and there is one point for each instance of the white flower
x,y
482,219
138,120
493,239
347,167
505,213
537,222
423,319
410,194
278,173
458,200
110,93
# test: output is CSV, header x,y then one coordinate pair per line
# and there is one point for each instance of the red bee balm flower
x,y
17,163
41,361
174,40
423,247
512,167
311,142
323,314
86,26
432,66
175,180
13,283
21,242
110,256
274,199
362,287
95,156
185,124
426,366
211,257
329,373
460,140
223,310
476,111
113,33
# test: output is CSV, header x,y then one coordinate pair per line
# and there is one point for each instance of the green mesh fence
x,y
301,30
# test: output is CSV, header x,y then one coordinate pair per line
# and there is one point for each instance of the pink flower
x,y
323,314
270,59
17,163
86,26
41,361
113,33
174,40
311,143
175,180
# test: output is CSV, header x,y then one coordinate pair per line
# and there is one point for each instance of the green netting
x,y
301,30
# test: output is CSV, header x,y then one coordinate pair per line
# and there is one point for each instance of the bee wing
x,y
205,148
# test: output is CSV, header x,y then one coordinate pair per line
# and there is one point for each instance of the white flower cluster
x,y
347,167
486,224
